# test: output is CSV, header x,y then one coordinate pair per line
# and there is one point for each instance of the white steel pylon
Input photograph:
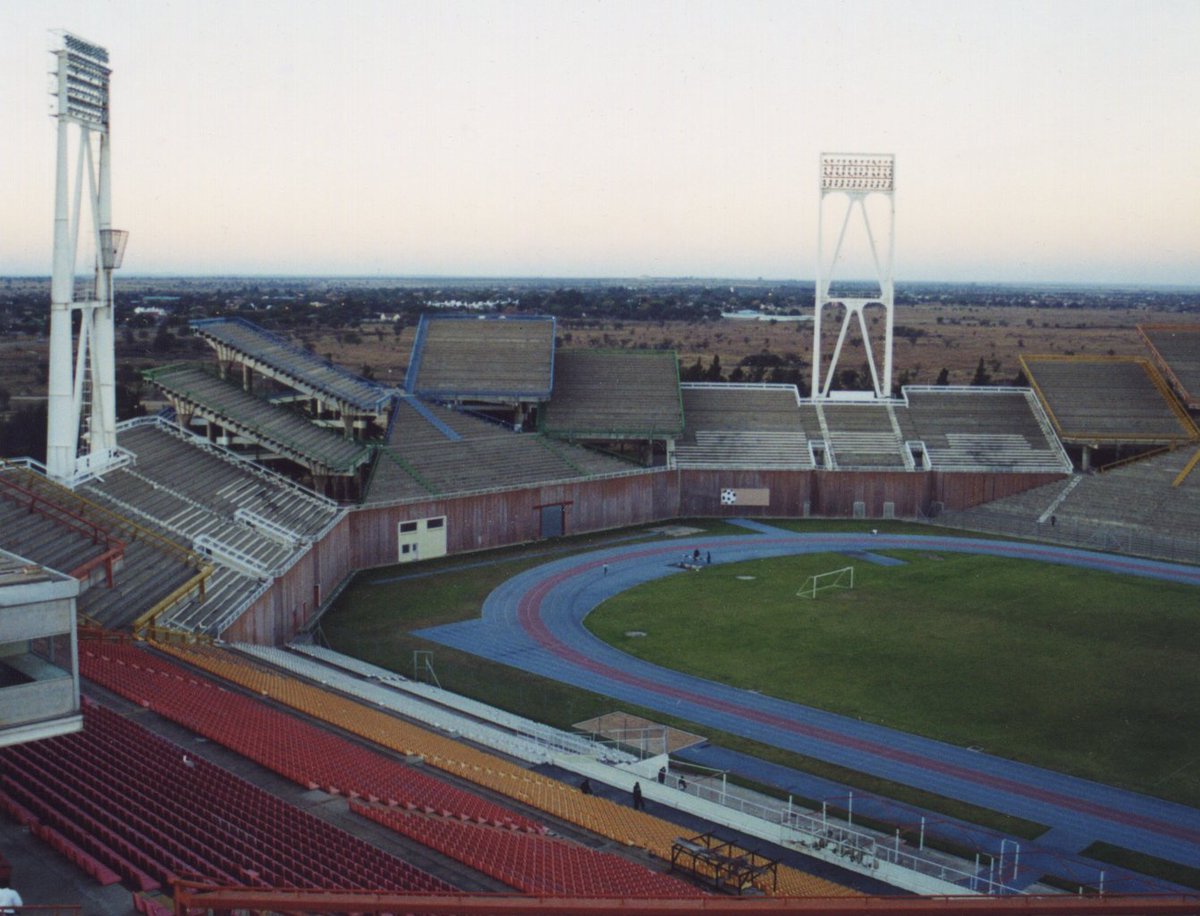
x,y
82,377
855,177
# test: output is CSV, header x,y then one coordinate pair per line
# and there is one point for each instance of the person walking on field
x,y
639,803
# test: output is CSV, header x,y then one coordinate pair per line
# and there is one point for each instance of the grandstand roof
x,y
1115,399
294,366
476,357
274,427
1176,350
615,394
421,460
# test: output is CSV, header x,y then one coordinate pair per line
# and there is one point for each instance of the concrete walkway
x,y
534,622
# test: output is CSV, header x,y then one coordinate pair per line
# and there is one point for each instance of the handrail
x,y
148,619
1187,469
114,547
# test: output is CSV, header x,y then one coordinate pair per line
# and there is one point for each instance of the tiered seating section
x,y
1136,508
530,863
410,425
225,483
419,460
250,523
1176,347
293,748
480,358
49,532
958,429
1110,399
287,362
598,815
742,426
120,801
273,427
613,394
862,436
67,532
982,429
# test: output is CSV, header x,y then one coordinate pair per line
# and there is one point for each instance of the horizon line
x,y
618,278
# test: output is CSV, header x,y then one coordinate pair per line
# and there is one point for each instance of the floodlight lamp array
x,y
841,172
83,68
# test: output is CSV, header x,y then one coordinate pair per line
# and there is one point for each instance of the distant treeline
x,y
294,303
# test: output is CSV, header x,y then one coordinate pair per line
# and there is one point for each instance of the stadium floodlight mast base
x,y
856,176
82,380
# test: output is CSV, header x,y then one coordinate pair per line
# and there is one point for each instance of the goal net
x,y
838,578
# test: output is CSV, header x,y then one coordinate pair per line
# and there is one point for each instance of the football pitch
x,y
1089,673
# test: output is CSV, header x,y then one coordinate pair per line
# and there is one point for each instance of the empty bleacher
x,y
1176,348
283,360
49,533
225,482
742,426
598,815
68,532
251,524
862,435
276,428
475,357
290,746
740,449
1135,508
502,460
982,429
614,394
530,863
1108,399
411,425
139,807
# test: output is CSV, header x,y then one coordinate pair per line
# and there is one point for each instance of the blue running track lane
x,y
534,621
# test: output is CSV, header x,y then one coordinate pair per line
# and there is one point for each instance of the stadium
x,y
178,736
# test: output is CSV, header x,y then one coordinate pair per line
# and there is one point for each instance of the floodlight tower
x,y
82,383
855,177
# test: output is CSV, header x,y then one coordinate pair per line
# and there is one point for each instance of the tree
x,y
694,372
164,340
981,377
943,377
714,369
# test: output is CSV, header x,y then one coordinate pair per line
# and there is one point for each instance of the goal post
x,y
837,578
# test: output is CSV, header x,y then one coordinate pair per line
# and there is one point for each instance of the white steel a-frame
x,y
854,177
82,385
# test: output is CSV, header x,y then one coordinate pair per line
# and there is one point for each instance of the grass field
x,y
1084,672
374,617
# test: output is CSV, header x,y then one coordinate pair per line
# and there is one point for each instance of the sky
x,y
1045,141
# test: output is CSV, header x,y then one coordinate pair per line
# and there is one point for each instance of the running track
x,y
534,622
